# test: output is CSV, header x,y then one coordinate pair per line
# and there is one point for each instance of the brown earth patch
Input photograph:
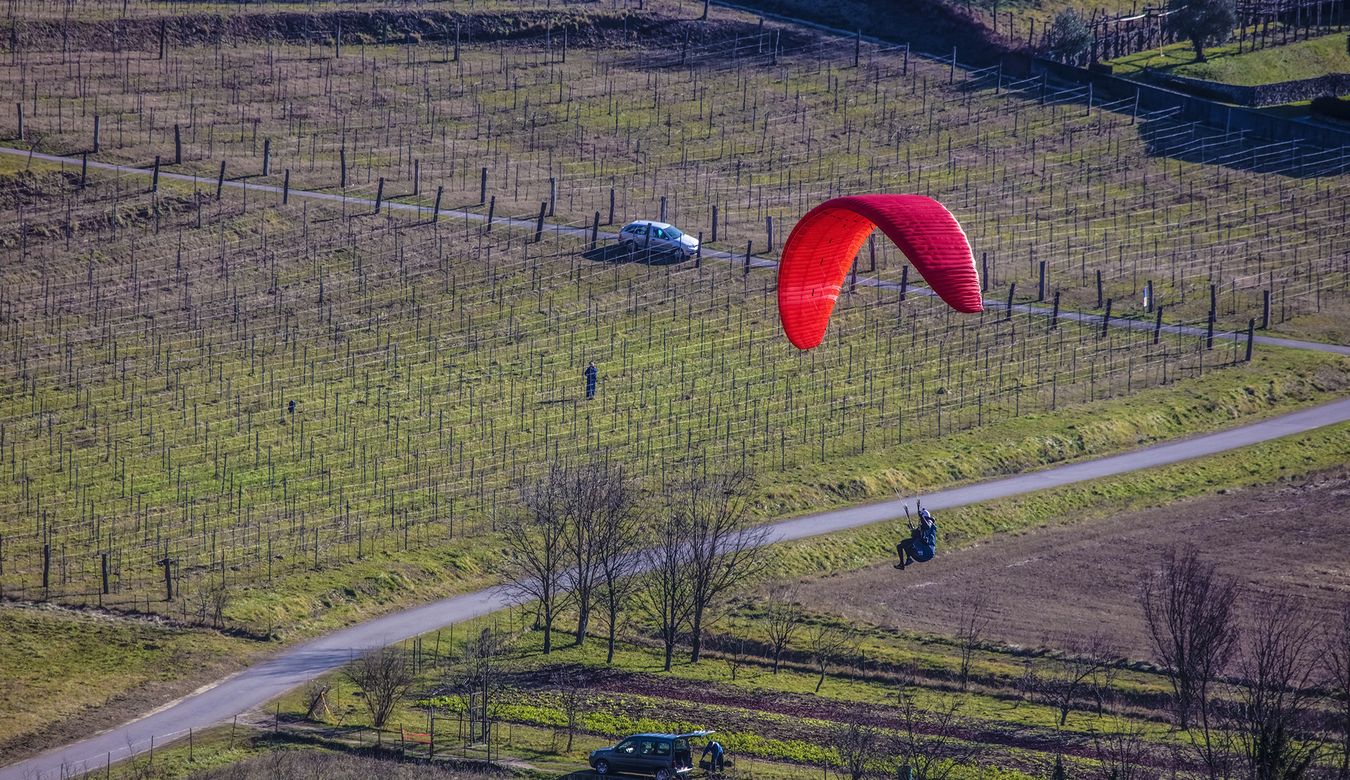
x,y
1052,584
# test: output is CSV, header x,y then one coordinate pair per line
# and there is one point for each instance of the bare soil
x,y
1079,580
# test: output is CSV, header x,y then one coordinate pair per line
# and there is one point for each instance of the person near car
x,y
714,748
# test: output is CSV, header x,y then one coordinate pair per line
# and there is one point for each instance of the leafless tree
x,y
618,543
735,654
860,749
723,552
974,619
783,619
476,675
536,556
572,701
1276,695
927,740
1336,668
828,643
595,498
666,585
1121,750
1087,670
383,676
1189,609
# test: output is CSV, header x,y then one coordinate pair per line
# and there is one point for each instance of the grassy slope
x,y
1302,60
751,733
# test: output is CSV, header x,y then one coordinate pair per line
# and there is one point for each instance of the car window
x,y
627,746
662,748
660,233
673,232
640,230
648,747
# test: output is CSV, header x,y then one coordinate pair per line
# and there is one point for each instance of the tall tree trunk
x,y
548,628
583,616
613,618
697,634
670,651
776,653
1199,47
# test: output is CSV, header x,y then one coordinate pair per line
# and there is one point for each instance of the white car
x,y
660,237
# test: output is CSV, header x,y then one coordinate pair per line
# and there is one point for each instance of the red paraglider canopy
x,y
823,244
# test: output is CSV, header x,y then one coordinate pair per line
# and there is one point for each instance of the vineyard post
x,y
553,196
698,252
379,195
984,272
1012,288
539,224
768,229
857,48
103,565
167,563
714,223
904,282
1040,284
1209,332
492,207
482,186
342,165
18,108
1099,289
220,180
684,48
1265,309
96,129
154,177
704,17
1106,317
904,68
1157,325
46,568
1213,301
871,253
1134,112
267,157
456,42
417,177
776,34
1251,336
746,269
436,208
662,216
286,187
595,230
337,42
177,145
84,168
611,208
1054,313
951,74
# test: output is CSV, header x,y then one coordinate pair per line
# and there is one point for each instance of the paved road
x,y
292,667
583,233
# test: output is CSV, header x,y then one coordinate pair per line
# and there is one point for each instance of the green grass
x,y
1225,64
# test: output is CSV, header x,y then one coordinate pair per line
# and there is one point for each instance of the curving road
x,y
294,666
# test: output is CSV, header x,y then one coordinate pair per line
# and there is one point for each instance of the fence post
x,y
436,208
492,207
177,145
552,193
379,195
904,282
611,207
1157,326
1012,288
539,224
1054,313
746,269
1040,285
267,156
1265,309
18,108
154,178
220,180
286,187
1251,336
768,229
342,165
96,129
1106,317
417,177
1099,289
595,231
482,186
698,253
714,223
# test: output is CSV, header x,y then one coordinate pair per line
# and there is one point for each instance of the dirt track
x,y
1082,579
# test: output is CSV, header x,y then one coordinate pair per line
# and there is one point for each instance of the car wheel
x,y
663,774
602,767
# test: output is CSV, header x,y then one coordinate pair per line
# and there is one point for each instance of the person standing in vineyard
x,y
592,375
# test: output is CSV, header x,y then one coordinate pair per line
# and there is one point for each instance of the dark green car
x,y
664,756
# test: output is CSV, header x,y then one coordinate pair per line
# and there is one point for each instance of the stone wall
x,y
1262,94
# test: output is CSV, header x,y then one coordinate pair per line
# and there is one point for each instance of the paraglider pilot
x,y
921,544
591,375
